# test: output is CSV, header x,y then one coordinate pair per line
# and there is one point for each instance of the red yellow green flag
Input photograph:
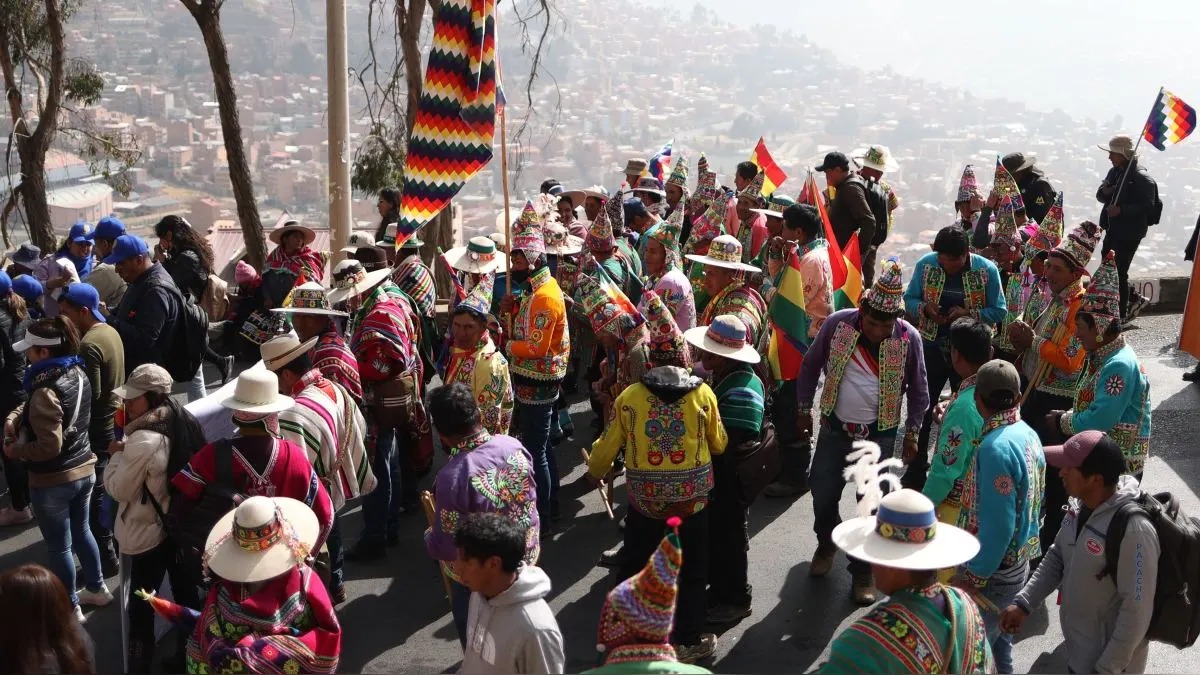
x,y
789,323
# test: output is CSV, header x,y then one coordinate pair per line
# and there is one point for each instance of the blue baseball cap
x,y
80,233
27,287
5,283
84,295
127,246
109,227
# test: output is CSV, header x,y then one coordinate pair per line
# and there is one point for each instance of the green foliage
x,y
82,83
378,162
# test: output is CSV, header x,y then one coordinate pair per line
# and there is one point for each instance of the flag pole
x,y
507,212
1138,144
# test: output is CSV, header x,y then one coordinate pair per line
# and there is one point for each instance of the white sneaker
x,y
79,614
10,516
98,598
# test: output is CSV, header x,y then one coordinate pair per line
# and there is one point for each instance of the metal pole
x,y
507,207
339,124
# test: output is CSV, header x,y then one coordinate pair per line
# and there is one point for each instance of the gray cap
x,y
144,378
998,384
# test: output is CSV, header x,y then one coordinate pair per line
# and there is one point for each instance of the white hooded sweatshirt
x,y
514,632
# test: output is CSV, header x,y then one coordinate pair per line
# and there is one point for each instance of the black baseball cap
x,y
834,160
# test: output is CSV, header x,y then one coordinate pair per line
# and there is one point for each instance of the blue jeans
x,y
460,605
381,507
1002,594
195,388
62,516
535,435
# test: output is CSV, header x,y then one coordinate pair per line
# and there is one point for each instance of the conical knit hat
x,y
479,300
679,174
641,609
706,227
1006,224
527,231
1049,231
968,186
1079,245
667,233
755,188
1006,186
606,306
1103,297
887,295
600,233
667,343
706,185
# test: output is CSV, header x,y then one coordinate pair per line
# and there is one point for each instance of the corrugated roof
x,y
78,196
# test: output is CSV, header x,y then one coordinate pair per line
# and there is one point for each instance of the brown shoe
x,y
864,589
821,563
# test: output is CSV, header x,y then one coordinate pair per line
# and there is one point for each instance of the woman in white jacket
x,y
156,428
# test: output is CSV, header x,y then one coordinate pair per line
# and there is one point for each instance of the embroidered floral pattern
x,y
841,349
1003,485
1114,385
892,355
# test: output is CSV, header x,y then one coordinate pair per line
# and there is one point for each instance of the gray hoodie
x,y
514,632
1104,623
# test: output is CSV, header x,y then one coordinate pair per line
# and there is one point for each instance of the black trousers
x,y
794,454
18,482
938,372
868,265
99,439
728,541
1034,413
146,572
643,535
1123,252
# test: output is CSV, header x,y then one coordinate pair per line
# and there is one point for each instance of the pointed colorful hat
x,y
608,309
641,609
1103,297
479,300
887,295
667,344
527,231
1049,231
679,174
755,188
600,233
667,233
707,191
968,185
706,227
1080,244
1006,186
1006,225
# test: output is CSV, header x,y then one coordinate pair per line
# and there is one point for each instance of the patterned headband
x,y
906,528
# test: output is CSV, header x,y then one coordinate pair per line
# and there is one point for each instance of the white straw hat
x,y
905,534
725,337
351,279
283,349
261,539
257,392
724,251
479,256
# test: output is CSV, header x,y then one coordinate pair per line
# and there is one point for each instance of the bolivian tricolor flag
x,y
762,159
789,323
846,264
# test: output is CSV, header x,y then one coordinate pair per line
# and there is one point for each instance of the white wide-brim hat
x,y
889,162
256,392
699,337
727,264
860,538
475,259
255,522
370,280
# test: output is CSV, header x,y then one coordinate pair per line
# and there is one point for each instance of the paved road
x,y
397,619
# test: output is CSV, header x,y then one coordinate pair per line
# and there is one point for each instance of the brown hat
x,y
635,167
372,257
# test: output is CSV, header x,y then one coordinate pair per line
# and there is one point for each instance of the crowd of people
x,y
988,410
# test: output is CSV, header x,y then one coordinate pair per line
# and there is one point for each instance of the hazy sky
x,y
1092,58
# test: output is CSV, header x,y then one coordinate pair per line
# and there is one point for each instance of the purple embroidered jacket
x,y
485,473
818,360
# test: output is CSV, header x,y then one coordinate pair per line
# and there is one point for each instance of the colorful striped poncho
x,y
330,427
741,399
305,263
381,338
416,280
334,359
286,626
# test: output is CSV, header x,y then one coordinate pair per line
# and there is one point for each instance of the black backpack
x,y
877,199
189,340
1176,616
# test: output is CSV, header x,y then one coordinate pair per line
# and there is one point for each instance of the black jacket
x,y
12,363
393,216
1136,201
188,273
850,212
1038,195
70,385
146,317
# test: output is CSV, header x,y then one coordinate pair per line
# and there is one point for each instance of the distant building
x,y
89,202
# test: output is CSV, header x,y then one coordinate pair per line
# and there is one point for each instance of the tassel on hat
x,y
641,609
870,475
527,231
968,185
1080,244
887,295
1103,297
667,344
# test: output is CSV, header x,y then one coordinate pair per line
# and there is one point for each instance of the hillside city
x,y
705,84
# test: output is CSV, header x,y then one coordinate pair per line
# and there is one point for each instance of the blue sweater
x,y
1003,498
992,312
